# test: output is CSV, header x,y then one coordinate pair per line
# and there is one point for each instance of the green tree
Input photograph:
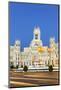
x,y
50,68
25,68
11,65
17,66
21,66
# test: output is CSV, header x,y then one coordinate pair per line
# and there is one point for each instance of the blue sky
x,y
24,17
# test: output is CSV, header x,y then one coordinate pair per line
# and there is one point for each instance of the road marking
x,y
22,83
40,76
18,78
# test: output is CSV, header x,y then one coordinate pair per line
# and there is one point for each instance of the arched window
x,y
36,36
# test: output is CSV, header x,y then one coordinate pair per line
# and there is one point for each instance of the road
x,y
24,79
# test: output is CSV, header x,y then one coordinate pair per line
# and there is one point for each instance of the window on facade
x,y
36,36
16,58
17,44
36,44
52,62
56,55
30,63
56,62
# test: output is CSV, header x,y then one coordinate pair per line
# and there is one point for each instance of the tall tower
x,y
16,53
36,38
36,33
52,42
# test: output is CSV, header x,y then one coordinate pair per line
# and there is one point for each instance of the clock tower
x,y
36,37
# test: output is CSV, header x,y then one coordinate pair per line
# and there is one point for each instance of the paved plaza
x,y
24,79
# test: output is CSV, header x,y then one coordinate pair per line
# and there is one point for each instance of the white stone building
x,y
15,55
36,55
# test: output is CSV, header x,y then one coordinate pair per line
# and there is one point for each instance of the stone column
x,y
31,63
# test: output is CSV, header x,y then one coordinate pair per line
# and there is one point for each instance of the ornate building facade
x,y
36,55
